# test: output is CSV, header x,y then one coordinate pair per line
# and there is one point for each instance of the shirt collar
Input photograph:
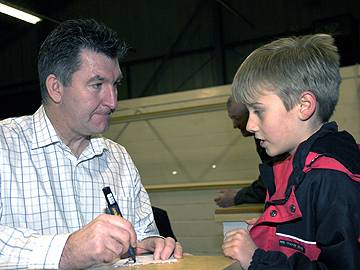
x,y
44,134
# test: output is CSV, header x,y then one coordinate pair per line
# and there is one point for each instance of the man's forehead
x,y
100,65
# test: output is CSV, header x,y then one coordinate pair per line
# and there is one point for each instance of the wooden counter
x,y
188,262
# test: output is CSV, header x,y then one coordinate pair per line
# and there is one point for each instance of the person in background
x,y
162,222
255,193
311,218
54,163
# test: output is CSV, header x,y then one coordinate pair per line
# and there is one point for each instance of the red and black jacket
x,y
312,210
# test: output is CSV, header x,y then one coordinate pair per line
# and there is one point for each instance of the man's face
x,y
280,131
91,96
239,116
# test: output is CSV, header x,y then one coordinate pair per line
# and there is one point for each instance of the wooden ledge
x,y
239,213
242,208
198,185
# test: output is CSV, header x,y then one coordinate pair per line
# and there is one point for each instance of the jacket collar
x,y
298,163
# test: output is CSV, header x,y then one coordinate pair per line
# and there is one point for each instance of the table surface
x,y
187,262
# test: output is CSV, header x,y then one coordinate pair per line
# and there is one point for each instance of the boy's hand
x,y
238,245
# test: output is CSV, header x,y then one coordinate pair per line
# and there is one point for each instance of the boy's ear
x,y
54,88
307,105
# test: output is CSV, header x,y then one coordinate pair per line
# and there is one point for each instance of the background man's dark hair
x,y
60,52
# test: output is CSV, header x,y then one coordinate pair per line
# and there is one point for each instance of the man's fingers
x,y
168,249
125,225
178,252
159,246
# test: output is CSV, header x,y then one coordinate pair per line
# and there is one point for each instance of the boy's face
x,y
279,130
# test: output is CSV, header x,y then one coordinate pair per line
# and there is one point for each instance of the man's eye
x,y
97,86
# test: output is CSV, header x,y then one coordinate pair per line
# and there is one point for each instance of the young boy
x,y
312,209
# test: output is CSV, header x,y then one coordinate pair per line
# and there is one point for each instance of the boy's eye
x,y
258,112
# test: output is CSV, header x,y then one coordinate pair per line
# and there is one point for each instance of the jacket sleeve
x,y
337,230
255,193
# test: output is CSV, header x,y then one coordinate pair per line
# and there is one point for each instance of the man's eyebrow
x,y
97,78
100,78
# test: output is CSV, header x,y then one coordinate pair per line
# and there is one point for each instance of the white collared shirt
x,y
48,193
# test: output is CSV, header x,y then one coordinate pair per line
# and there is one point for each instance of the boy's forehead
x,y
257,93
262,98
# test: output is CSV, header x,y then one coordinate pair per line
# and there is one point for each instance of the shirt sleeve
x,y
24,248
144,222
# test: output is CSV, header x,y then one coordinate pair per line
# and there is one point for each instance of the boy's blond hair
x,y
290,66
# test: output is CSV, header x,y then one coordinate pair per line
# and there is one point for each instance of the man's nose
x,y
110,98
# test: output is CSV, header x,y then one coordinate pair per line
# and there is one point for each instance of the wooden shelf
x,y
199,185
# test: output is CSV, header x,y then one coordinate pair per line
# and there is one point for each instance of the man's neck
x,y
76,142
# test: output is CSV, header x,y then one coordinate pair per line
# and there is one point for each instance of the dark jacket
x,y
162,222
312,219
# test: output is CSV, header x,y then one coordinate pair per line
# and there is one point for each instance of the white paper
x,y
142,260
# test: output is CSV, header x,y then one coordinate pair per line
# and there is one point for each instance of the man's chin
x,y
99,128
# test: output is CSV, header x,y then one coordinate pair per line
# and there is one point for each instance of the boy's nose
x,y
251,125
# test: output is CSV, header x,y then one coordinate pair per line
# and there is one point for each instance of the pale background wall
x,y
189,132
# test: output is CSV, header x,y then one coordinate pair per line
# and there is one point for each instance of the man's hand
x,y
104,239
238,245
160,247
226,198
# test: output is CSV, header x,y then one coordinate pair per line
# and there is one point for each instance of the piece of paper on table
x,y
142,260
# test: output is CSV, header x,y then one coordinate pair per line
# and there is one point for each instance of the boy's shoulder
x,y
329,149
340,146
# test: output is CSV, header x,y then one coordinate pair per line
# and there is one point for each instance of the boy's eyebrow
x,y
255,104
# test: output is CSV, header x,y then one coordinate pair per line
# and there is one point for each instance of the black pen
x,y
115,210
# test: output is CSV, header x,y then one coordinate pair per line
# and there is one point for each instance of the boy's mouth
x,y
262,142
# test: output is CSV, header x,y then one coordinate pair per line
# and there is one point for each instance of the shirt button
x,y
273,213
292,208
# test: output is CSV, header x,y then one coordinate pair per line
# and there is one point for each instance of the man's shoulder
x,y
116,152
114,147
16,125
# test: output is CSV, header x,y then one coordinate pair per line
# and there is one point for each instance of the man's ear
x,y
54,88
307,105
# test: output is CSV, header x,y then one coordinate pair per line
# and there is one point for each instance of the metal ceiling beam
x,y
233,11
170,50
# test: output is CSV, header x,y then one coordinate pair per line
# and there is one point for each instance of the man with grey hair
x,y
54,164
255,193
